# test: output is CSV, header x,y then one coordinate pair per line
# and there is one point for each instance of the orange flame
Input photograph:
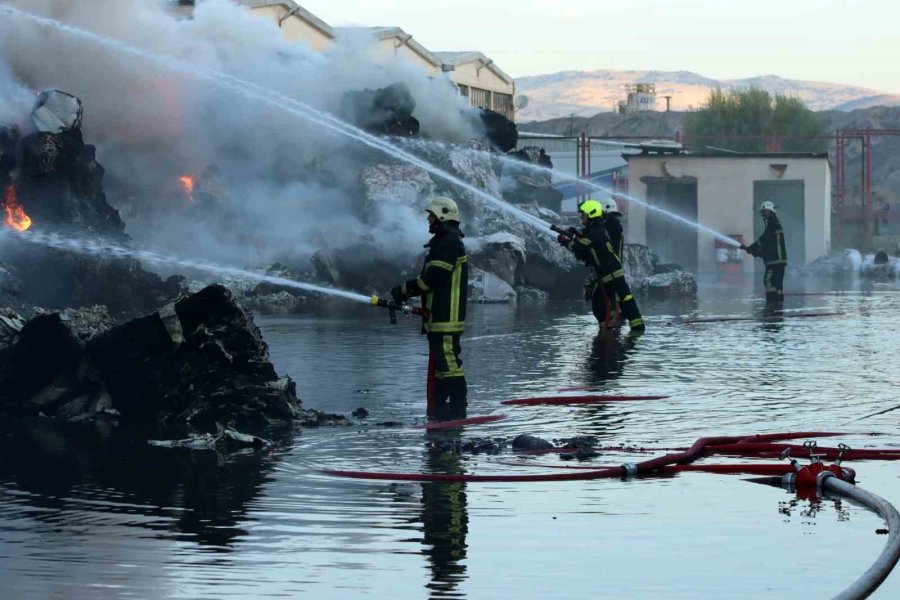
x,y
15,214
188,182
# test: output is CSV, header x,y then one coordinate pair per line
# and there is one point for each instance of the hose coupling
x,y
630,469
822,476
789,480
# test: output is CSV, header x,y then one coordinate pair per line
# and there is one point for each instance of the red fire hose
x,y
753,449
626,469
593,399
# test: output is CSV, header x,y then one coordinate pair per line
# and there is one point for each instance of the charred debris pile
x,y
198,364
52,183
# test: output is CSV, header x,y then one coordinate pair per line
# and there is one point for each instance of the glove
x,y
398,295
572,232
563,240
745,248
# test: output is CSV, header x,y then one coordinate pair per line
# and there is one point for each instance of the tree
x,y
745,120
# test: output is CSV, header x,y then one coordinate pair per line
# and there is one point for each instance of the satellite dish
x,y
521,101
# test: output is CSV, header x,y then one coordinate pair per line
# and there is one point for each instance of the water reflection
x,y
107,510
608,356
199,496
445,523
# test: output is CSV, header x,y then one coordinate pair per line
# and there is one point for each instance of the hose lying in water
x,y
593,399
739,469
692,453
768,437
774,449
887,560
769,318
676,462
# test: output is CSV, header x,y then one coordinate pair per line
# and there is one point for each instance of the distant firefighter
x,y
770,248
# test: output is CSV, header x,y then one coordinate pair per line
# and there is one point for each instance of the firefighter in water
x,y
770,248
592,246
612,220
443,284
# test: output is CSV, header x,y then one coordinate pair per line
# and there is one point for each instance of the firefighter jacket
x,y
444,281
770,245
616,235
595,250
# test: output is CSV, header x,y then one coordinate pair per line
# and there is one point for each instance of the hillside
x,y
586,93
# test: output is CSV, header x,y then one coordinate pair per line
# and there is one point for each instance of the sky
x,y
854,42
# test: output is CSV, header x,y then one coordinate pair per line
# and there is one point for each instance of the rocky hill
x,y
586,93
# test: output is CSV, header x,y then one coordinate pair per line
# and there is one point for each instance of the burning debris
x,y
385,111
526,185
501,133
187,181
199,362
52,183
15,214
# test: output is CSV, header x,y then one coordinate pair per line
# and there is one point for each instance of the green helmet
x,y
443,208
591,208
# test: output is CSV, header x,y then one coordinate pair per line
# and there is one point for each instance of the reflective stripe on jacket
x,y
444,281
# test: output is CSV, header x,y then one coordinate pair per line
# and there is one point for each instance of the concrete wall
x,y
725,198
393,47
469,74
294,28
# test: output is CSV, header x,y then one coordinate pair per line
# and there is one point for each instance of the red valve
x,y
806,477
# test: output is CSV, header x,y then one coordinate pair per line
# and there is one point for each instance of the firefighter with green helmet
x,y
770,247
443,284
593,247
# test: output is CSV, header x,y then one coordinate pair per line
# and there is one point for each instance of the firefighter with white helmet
x,y
771,248
592,245
443,285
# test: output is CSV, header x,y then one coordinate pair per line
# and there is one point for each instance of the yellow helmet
x,y
444,208
591,208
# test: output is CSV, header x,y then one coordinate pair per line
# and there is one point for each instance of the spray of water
x,y
96,247
597,187
271,97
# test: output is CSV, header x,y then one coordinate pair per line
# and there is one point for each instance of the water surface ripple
x,y
93,510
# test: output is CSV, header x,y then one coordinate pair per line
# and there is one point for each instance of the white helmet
x,y
444,208
767,205
610,207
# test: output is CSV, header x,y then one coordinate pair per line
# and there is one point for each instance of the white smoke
x,y
293,187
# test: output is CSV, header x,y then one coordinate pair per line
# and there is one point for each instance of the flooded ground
x,y
92,511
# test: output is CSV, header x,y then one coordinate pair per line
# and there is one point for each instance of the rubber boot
x,y
457,392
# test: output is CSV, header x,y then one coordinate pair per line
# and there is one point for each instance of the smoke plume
x,y
282,187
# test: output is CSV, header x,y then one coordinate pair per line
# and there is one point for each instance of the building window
x,y
480,98
464,90
503,104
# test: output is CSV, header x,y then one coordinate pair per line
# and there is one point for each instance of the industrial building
x,y
394,42
475,75
296,23
481,81
723,192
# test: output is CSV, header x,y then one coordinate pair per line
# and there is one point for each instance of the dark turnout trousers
x,y
447,389
774,282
